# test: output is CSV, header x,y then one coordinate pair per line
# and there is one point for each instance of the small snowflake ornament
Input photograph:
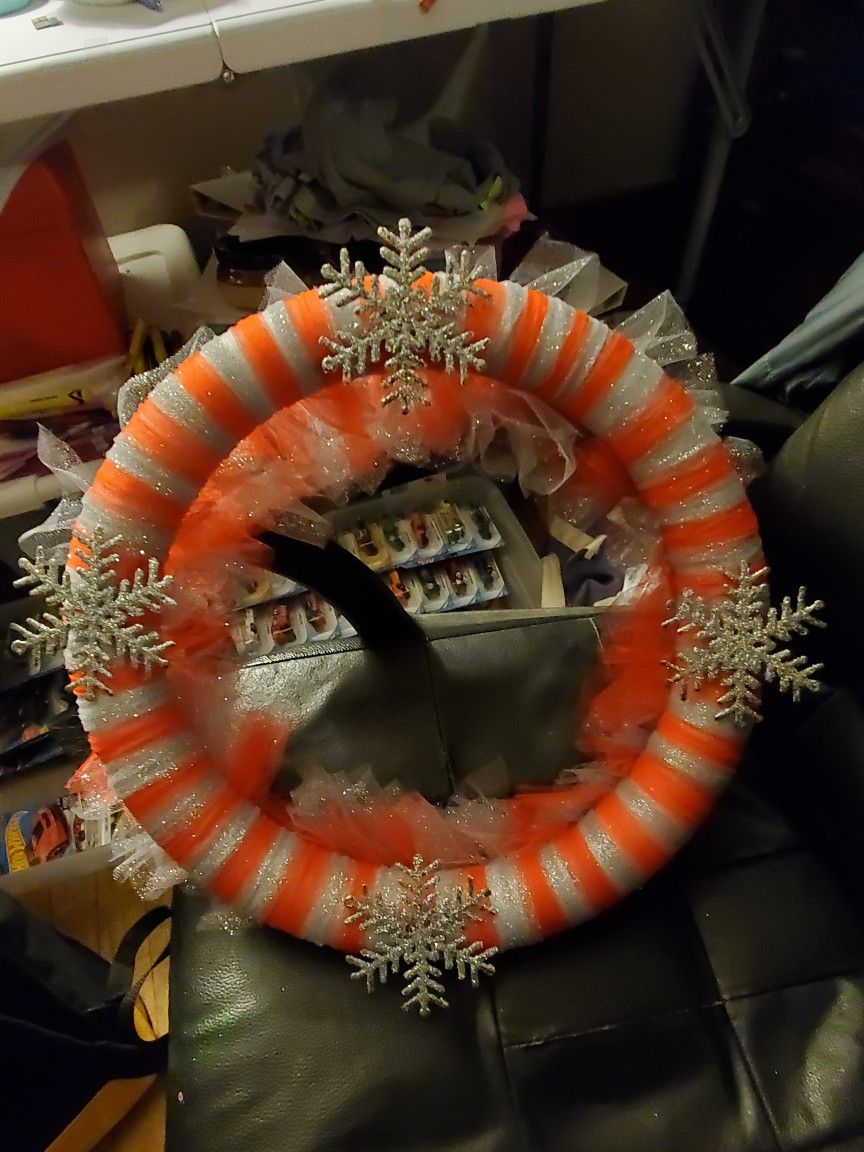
x,y
423,930
92,615
395,318
737,643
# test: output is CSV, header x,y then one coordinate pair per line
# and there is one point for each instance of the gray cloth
x,y
349,160
806,365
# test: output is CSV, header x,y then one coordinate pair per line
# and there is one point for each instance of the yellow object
x,y
136,345
146,349
63,390
158,343
47,405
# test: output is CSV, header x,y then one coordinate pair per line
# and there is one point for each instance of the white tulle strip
x,y
140,861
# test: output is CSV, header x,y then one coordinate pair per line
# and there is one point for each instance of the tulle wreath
x,y
215,820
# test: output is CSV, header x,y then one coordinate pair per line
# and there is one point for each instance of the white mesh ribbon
x,y
139,861
574,275
557,268
75,476
661,330
536,447
281,282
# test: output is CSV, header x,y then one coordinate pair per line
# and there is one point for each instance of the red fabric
x,y
58,280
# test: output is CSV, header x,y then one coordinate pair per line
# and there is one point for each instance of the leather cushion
x,y
809,508
720,1008
822,782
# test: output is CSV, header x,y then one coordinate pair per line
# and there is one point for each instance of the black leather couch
x,y
721,1009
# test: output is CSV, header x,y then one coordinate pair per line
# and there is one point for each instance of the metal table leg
x,y
728,79
544,26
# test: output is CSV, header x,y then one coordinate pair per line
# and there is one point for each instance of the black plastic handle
x,y
361,596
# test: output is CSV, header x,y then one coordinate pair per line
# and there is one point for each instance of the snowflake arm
x,y
346,284
791,620
423,931
374,963
405,251
47,634
741,700
792,673
144,594
735,643
422,988
469,959
43,578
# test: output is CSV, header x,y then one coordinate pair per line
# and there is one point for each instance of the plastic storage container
x,y
519,563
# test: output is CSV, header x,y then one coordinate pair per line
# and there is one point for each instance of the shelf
x,y
257,34
19,789
31,788
100,54
57,871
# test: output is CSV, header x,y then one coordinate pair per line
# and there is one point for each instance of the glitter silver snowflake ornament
x,y
737,644
396,319
422,930
91,614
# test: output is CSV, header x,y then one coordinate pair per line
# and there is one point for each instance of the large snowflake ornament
x,y
395,318
423,930
737,643
91,614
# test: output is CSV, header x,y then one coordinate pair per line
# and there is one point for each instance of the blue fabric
x,y
586,580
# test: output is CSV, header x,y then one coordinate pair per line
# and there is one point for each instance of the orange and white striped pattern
x,y
596,379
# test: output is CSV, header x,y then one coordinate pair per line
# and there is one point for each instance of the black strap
x,y
121,983
361,596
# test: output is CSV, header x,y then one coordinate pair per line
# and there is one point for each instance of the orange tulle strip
x,y
525,336
615,355
599,482
669,407
233,877
567,356
303,880
254,757
626,707
267,361
630,834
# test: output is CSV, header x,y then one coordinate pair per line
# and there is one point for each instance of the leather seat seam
x,y
521,1122
720,1002
759,1095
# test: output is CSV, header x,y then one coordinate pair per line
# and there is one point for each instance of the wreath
x,y
426,347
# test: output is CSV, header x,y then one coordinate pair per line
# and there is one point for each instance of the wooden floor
x,y
97,911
